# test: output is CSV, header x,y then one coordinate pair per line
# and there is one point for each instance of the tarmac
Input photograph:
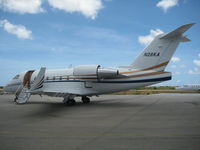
x,y
109,122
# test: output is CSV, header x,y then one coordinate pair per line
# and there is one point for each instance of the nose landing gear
x,y
16,98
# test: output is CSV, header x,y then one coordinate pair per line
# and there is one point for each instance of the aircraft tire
x,y
71,102
85,100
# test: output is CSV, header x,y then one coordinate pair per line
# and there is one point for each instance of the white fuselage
x,y
62,82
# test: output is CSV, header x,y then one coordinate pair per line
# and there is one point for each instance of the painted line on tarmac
x,y
56,134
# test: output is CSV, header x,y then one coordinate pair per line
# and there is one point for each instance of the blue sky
x,y
57,34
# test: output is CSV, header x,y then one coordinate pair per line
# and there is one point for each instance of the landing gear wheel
x,y
85,100
70,102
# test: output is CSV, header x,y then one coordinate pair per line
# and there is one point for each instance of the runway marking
x,y
56,134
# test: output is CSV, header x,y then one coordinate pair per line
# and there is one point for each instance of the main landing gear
x,y
85,99
69,101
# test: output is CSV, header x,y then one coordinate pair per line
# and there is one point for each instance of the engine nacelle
x,y
94,72
107,73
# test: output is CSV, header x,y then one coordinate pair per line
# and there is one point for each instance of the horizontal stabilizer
x,y
185,39
178,31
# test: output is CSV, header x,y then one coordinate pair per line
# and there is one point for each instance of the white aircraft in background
x,y
89,80
189,87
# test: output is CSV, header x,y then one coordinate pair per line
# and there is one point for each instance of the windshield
x,y
16,77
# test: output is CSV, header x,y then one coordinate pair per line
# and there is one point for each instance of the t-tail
x,y
157,55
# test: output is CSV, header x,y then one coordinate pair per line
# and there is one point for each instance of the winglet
x,y
178,31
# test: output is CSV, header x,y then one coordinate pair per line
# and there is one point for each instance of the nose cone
x,y
7,88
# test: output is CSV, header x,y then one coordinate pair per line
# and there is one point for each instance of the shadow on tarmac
x,y
56,109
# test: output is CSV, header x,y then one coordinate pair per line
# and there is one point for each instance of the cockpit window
x,y
16,77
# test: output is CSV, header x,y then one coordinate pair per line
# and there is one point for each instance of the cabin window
x,y
60,77
53,78
47,78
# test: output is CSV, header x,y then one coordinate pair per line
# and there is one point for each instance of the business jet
x,y
189,87
92,80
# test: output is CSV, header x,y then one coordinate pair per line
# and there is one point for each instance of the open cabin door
x,y
27,89
27,78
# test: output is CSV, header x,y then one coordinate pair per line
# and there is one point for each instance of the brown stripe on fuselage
x,y
150,68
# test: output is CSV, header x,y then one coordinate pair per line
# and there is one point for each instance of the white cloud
x,y
197,62
194,71
89,8
148,38
166,4
18,30
199,54
175,59
22,6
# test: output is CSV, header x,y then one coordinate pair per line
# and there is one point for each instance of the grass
x,y
147,92
154,90
157,88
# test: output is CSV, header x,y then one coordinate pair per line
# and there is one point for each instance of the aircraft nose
x,y
5,89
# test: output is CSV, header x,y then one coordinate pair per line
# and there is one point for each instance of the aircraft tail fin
x,y
158,53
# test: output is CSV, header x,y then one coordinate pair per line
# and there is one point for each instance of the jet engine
x,y
95,71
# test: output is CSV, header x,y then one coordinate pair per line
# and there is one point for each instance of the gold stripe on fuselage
x,y
150,68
